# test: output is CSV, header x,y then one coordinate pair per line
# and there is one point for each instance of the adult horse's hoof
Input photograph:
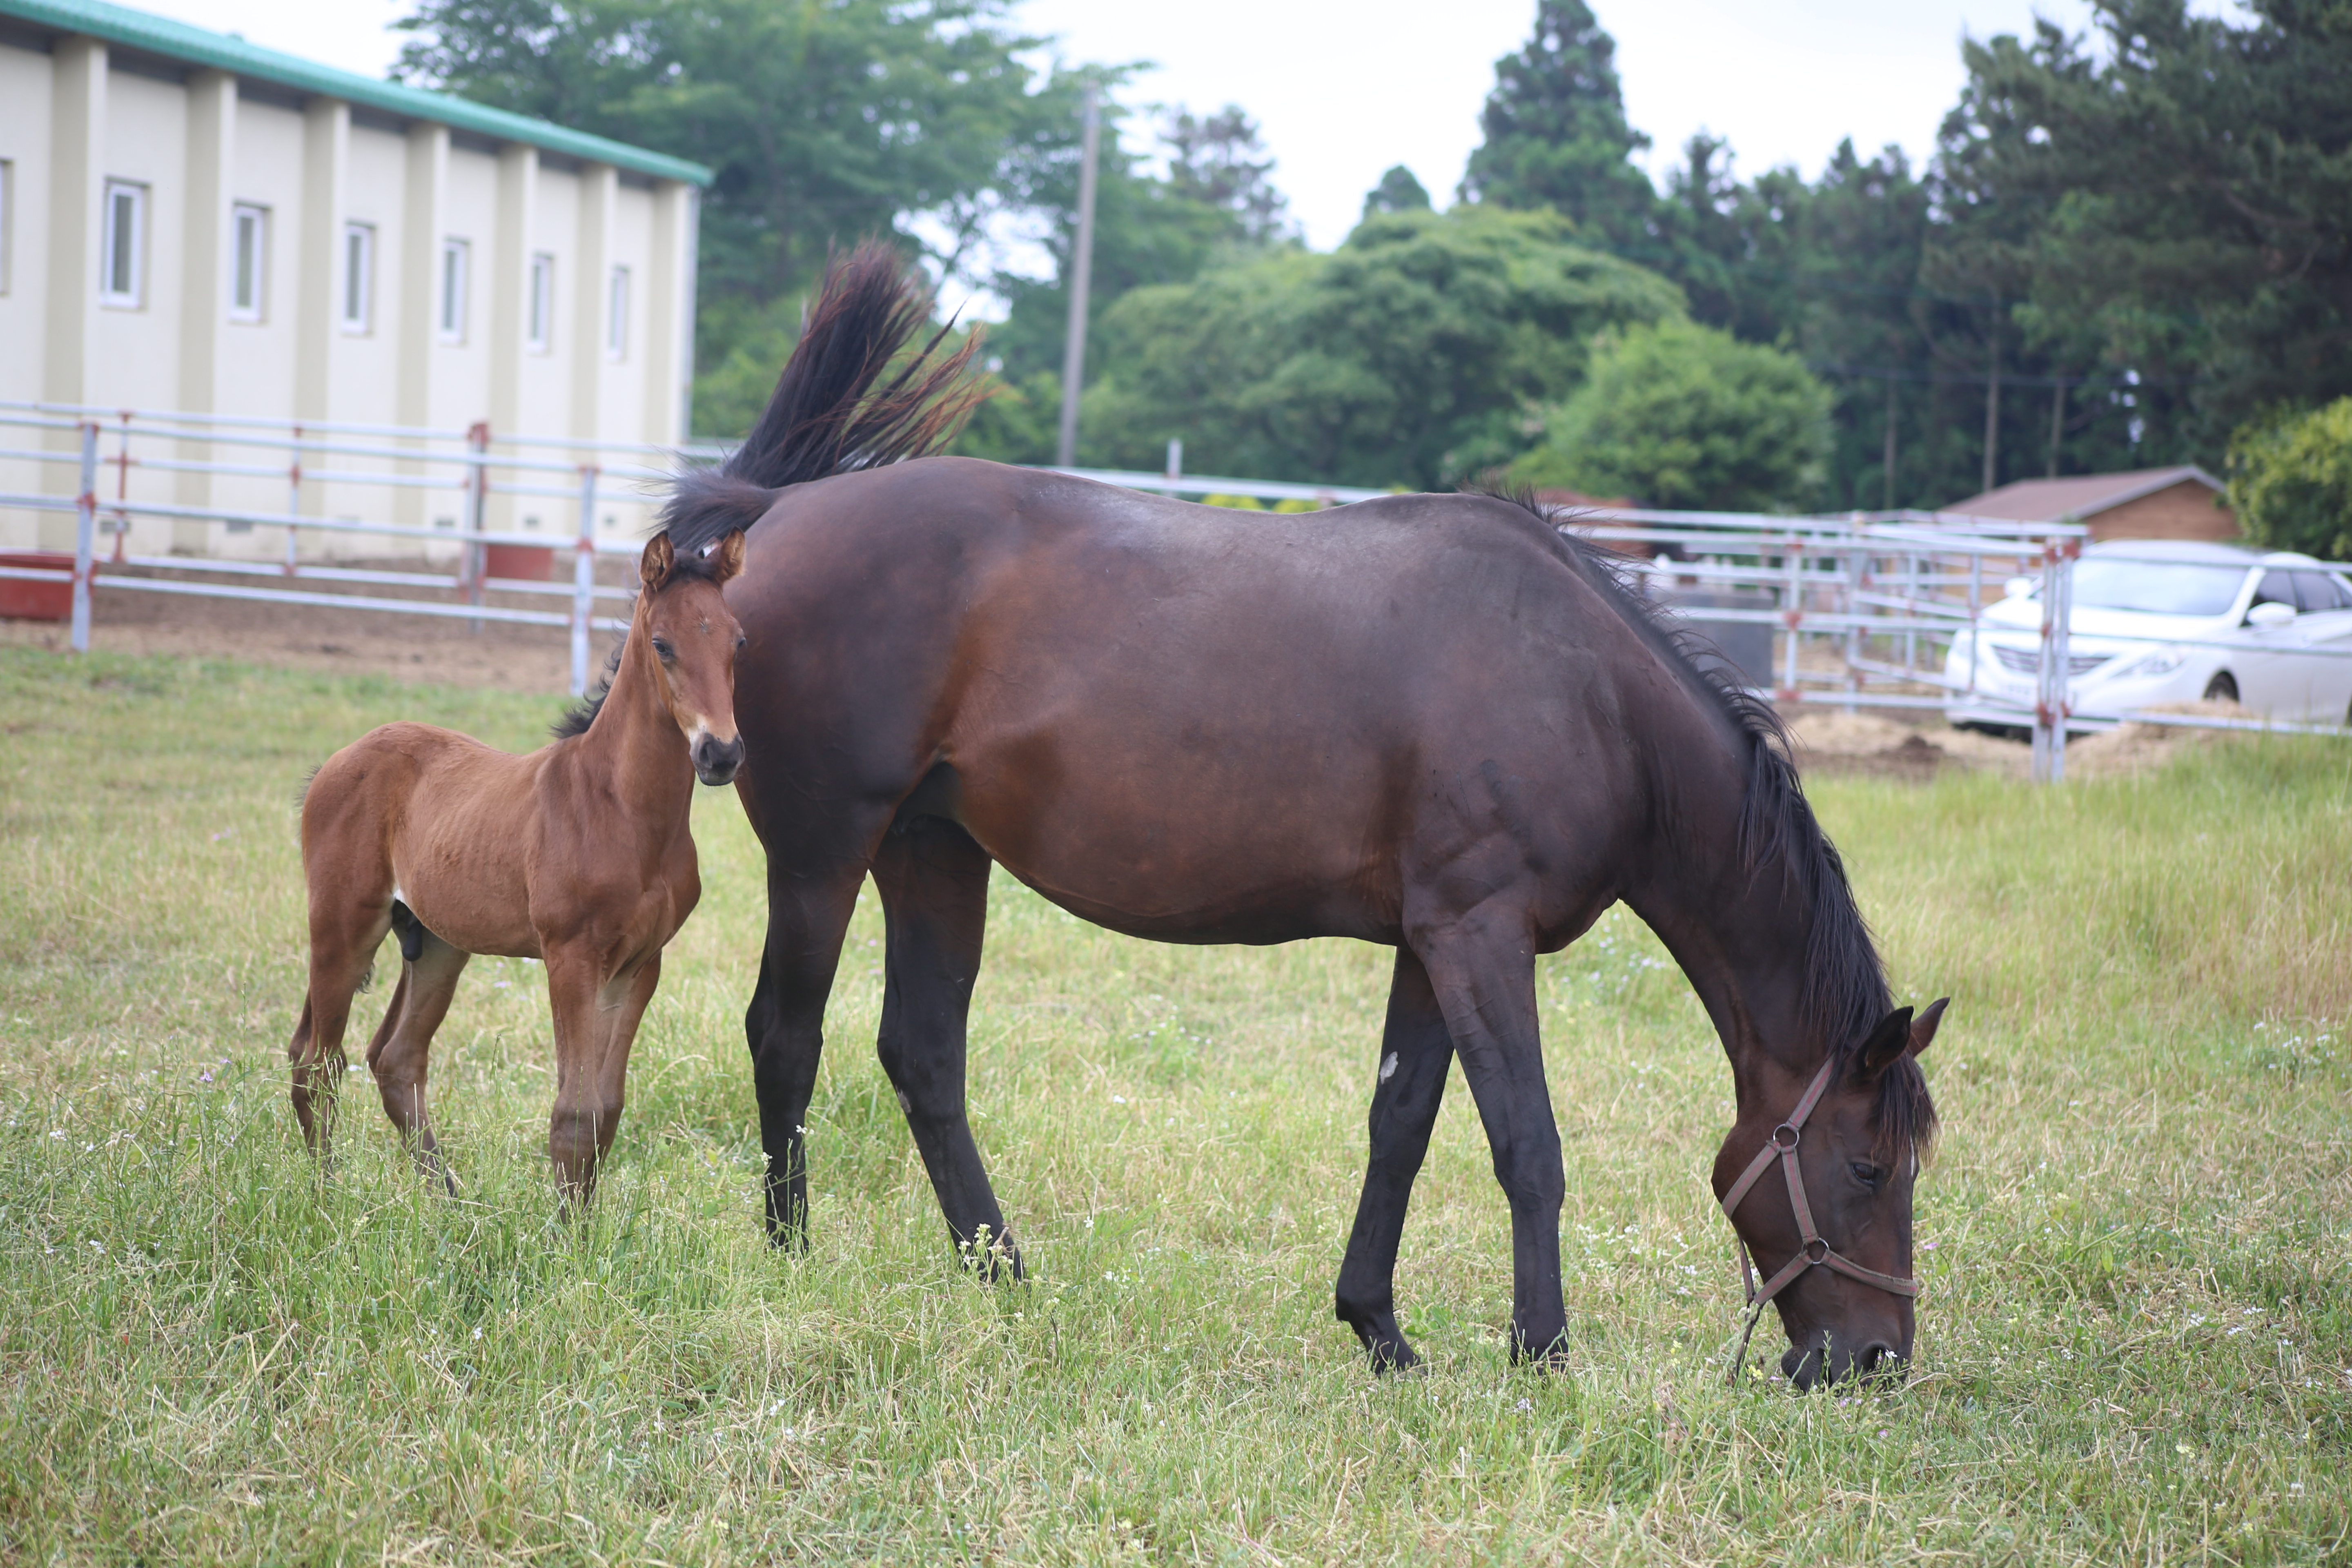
x,y
1393,1354
1550,1356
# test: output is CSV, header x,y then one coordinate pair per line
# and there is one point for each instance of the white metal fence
x,y
135,453
1854,612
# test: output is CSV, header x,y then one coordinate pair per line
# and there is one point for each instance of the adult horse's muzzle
x,y
1821,1360
715,761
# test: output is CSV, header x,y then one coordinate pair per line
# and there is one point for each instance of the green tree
x,y
1555,132
1686,417
2291,482
825,123
1216,206
1398,191
2180,202
1414,354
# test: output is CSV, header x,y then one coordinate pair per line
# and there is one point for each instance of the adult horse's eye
x,y
1868,1175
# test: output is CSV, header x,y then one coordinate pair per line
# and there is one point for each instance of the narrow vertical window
x,y
453,291
540,320
359,276
616,316
123,255
248,260
7,219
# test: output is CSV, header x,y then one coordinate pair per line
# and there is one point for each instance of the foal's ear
x,y
655,566
1886,1042
727,558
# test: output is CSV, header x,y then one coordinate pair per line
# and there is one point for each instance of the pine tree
x,y
1556,132
1398,191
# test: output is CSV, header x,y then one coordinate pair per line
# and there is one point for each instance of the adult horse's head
x,y
1817,1179
683,618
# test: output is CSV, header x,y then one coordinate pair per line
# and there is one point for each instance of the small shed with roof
x,y
2184,503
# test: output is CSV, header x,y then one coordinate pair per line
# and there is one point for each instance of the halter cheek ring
x,y
1813,1251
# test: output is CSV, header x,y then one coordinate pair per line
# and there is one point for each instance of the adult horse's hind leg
x,y
1415,1052
398,1054
1482,971
934,884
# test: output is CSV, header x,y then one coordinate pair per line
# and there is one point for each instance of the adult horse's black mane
x,y
1845,985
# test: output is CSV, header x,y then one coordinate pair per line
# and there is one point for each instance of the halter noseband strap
x,y
1812,1252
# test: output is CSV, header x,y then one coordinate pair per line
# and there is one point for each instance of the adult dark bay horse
x,y
1430,721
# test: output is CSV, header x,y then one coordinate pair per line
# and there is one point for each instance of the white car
x,y
2160,621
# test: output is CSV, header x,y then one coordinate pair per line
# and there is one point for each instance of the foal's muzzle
x,y
715,761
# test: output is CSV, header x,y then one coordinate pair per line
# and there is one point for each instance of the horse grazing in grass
x,y
580,855
1431,722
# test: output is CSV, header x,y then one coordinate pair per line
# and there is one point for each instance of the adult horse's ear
x,y
1886,1042
655,566
1922,1032
727,558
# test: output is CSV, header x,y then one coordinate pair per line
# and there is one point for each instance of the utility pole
x,y
1992,403
2057,420
1889,500
1082,257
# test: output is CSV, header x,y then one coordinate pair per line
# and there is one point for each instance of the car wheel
x,y
2222,688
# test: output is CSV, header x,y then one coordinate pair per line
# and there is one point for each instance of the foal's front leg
x,y
596,1017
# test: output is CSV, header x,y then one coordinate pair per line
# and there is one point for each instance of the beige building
x,y
189,223
2147,503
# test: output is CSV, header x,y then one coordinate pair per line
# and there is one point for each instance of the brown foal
x,y
580,855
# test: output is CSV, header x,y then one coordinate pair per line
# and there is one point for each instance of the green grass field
x,y
2135,1342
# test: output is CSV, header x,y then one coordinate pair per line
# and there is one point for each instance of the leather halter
x,y
1812,1252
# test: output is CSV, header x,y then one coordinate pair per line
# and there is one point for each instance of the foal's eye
x,y
663,650
740,641
1868,1175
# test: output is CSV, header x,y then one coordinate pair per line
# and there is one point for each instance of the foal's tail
x,y
827,417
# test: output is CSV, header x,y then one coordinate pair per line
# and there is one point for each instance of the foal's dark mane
x,y
1845,992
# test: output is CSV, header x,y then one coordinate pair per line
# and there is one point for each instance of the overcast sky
x,y
1345,91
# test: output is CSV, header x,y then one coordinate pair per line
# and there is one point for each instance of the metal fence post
x,y
584,578
293,500
1793,615
478,471
2051,704
85,535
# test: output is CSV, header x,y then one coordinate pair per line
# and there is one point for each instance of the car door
x,y
2325,629
2268,663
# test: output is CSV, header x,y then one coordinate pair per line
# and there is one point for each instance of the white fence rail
x,y
1855,612
106,448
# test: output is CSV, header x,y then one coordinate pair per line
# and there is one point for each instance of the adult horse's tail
x,y
827,416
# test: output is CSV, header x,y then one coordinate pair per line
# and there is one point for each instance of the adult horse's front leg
x,y
934,884
1415,1052
784,1027
1482,970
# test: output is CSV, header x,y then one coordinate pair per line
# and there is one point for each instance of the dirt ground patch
x,y
1834,744
428,650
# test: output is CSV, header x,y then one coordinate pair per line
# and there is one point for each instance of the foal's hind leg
x,y
397,1056
344,936
1482,971
1415,1052
934,884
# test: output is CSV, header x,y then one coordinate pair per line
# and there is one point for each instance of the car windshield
x,y
2157,587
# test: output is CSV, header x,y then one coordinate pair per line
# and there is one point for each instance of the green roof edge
x,y
179,41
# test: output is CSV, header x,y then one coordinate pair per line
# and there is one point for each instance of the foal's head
x,y
682,619
1857,1153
